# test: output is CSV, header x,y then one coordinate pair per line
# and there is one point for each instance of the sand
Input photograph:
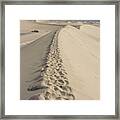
x,y
91,30
80,54
59,63
32,58
29,25
26,28
33,51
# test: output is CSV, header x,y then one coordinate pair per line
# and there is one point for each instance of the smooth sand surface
x,y
30,37
26,28
28,25
91,30
80,54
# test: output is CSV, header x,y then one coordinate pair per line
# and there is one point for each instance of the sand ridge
x,y
65,64
54,79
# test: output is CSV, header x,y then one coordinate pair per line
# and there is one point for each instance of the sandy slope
x,y
31,60
80,54
50,79
92,31
26,28
34,48
28,25
30,37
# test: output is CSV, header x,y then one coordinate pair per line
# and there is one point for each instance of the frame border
x,y
2,60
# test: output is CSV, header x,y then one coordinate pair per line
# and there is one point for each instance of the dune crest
x,y
54,83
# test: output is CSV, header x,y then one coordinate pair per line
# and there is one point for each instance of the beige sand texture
x,y
31,57
33,49
80,53
59,62
26,28
91,30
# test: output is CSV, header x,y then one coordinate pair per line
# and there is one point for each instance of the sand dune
x,y
92,31
80,54
29,25
32,59
30,37
60,63
26,28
